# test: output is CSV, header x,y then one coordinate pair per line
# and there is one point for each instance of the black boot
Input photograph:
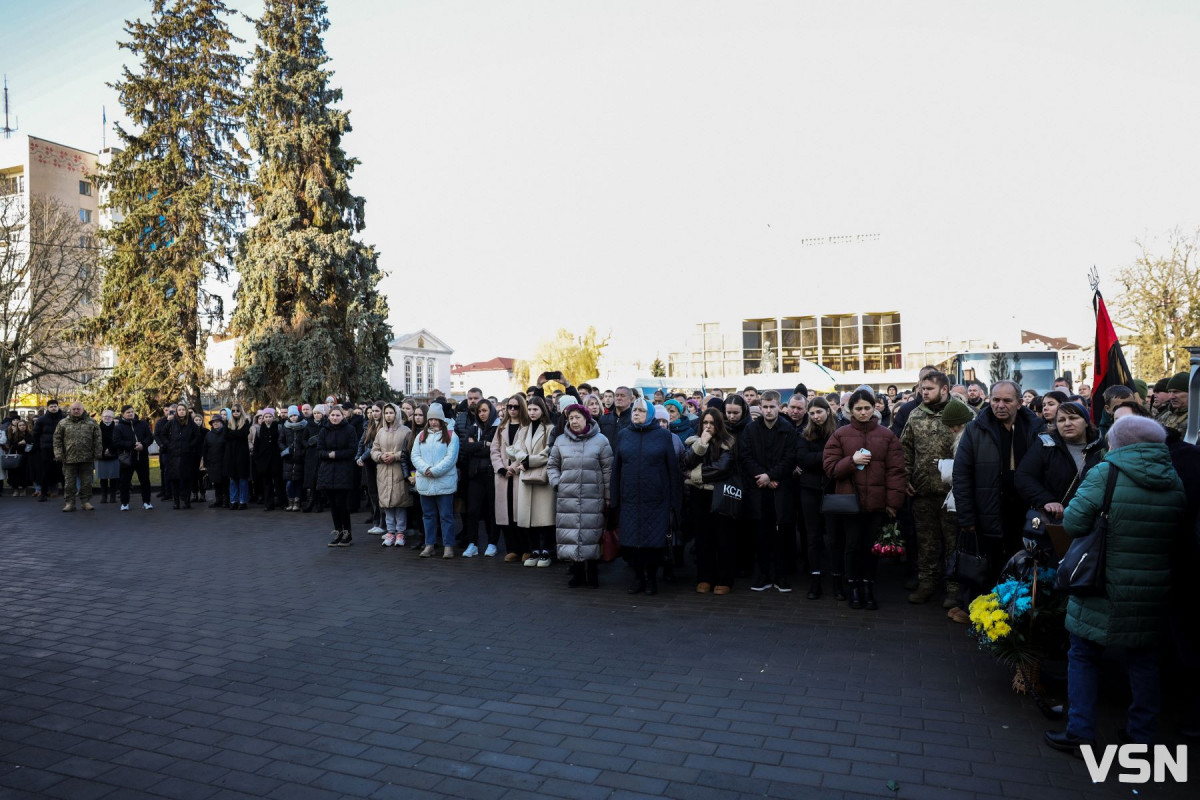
x,y
814,589
176,503
652,576
592,573
855,595
638,566
868,593
577,578
839,593
187,502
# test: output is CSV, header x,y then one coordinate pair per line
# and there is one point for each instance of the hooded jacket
x,y
214,455
880,485
440,459
1147,504
391,479
474,457
293,440
580,469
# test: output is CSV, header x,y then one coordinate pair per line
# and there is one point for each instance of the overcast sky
x,y
643,166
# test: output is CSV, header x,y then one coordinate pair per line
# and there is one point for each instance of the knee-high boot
x,y
637,563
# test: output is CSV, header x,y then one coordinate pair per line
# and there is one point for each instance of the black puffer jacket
x,y
337,472
1047,474
475,458
978,470
183,442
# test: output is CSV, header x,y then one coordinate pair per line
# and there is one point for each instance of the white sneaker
x,y
544,561
147,506
471,551
491,550
389,539
399,540
124,508
375,529
531,562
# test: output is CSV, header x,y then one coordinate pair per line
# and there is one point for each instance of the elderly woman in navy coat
x,y
646,487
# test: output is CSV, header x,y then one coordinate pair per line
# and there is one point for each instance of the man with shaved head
x,y
77,445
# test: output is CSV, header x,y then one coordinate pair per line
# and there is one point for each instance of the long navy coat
x,y
646,484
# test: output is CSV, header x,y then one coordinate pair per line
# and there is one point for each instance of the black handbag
x,y
1037,521
125,458
968,563
1081,571
11,460
727,497
840,504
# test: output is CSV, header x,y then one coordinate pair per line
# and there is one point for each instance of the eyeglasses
x,y
514,408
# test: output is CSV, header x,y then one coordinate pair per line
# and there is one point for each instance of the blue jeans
x,y
396,519
435,509
294,490
239,490
1083,687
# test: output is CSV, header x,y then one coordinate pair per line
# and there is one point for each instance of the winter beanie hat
x,y
956,413
678,407
1179,383
293,411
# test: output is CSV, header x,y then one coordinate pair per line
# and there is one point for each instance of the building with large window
x,y
860,346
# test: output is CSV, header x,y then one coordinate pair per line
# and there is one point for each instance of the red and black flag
x,y
1111,369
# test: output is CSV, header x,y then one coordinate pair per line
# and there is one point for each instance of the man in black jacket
x,y
621,417
767,455
49,470
985,495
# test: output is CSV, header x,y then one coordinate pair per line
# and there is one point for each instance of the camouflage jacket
x,y
925,440
1174,420
77,440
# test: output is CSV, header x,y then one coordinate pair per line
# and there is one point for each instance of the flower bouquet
x,y
1018,621
890,543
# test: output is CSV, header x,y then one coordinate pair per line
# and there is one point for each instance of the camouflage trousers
x,y
937,536
82,473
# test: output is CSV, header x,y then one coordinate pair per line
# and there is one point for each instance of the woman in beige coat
x,y
389,451
513,418
535,496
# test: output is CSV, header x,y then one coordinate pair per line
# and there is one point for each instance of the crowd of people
x,y
753,488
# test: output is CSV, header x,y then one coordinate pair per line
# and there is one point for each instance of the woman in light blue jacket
x,y
434,459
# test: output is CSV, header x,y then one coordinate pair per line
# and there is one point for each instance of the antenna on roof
x,y
7,129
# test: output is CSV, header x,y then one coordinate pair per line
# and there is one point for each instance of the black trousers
x,y
826,547
480,502
860,531
769,537
141,466
716,541
339,507
52,474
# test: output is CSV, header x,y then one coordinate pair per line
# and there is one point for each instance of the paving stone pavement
x,y
212,654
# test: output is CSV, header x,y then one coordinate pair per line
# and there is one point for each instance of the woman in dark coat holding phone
x,y
709,460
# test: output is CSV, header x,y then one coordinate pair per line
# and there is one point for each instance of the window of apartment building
x,y
881,342
839,342
799,341
85,216
14,184
85,188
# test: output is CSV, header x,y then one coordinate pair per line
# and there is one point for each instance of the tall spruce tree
x,y
178,182
309,312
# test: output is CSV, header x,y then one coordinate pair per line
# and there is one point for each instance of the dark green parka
x,y
1143,521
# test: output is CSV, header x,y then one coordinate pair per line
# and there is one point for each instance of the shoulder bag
x,y
727,497
1081,571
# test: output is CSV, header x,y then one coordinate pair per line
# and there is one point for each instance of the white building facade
x,y
420,363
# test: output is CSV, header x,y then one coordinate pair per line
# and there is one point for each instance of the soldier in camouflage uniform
x,y
1174,417
925,440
